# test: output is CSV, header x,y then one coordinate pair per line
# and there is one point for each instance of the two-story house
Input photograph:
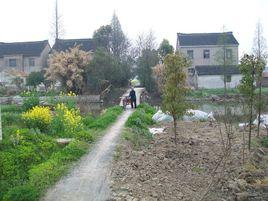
x,y
212,55
21,58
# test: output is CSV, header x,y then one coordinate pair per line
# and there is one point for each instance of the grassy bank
x,y
30,158
136,131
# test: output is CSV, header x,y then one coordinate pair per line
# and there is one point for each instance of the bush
x,y
38,117
147,108
84,136
66,122
30,101
22,193
139,119
264,142
104,120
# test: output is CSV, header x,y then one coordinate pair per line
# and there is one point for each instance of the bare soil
x,y
164,171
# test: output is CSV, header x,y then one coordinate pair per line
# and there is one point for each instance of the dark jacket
x,y
132,94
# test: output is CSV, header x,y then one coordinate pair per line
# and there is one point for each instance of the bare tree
x,y
145,41
259,50
57,24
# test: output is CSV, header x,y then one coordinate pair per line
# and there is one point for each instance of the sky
x,y
31,20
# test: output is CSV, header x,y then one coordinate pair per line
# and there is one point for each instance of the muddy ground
x,y
164,171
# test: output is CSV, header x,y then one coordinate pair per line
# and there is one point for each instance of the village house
x,y
85,44
18,59
205,50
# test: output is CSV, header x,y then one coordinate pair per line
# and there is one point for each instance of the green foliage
x,y
35,78
140,119
147,108
106,69
146,61
30,101
175,89
137,136
104,120
21,193
165,48
84,135
102,37
66,122
11,108
9,118
45,174
264,142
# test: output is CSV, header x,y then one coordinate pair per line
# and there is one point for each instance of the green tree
x,y
35,78
175,89
119,42
164,49
106,69
102,37
146,61
248,66
259,50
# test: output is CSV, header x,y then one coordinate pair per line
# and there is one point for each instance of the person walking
x,y
132,96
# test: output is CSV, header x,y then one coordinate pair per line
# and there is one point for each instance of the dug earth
x,y
196,169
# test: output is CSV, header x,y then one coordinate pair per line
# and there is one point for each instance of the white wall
x,y
216,81
199,58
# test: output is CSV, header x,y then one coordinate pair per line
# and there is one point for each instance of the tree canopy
x,y
164,49
69,69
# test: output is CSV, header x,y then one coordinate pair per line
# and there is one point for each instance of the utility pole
x,y
57,21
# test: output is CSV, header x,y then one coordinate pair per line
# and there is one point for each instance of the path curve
x,y
89,181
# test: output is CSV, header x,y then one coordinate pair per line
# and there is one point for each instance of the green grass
x,y
32,161
11,108
137,126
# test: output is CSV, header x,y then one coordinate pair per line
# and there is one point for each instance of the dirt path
x,y
89,181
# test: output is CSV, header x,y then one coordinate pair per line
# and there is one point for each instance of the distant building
x,y
203,50
85,44
265,77
22,58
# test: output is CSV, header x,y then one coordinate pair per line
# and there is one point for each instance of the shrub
x,y
38,117
264,142
84,136
22,193
66,122
147,108
30,100
139,119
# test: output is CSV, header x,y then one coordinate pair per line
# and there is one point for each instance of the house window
x,y
206,54
229,53
190,54
12,62
31,62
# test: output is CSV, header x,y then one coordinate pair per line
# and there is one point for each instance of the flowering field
x,y
31,160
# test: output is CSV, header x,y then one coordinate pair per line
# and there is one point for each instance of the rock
x,y
64,140
149,199
242,184
242,196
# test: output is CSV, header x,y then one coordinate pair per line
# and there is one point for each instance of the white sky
x,y
29,20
